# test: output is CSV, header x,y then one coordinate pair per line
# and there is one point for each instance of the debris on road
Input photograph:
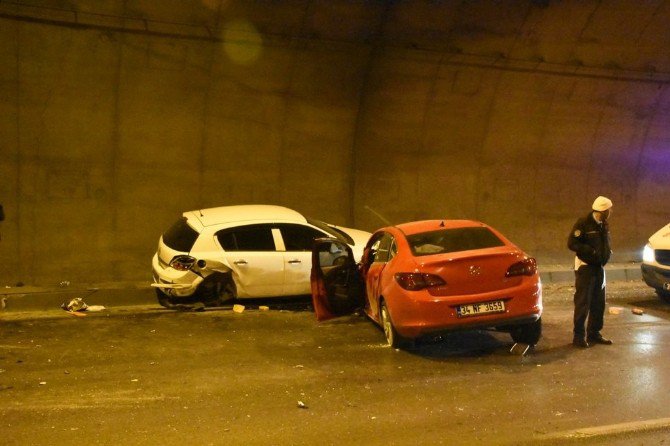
x,y
302,405
238,308
78,305
519,349
263,308
638,311
615,310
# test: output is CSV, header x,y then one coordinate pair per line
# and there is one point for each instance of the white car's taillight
x,y
182,263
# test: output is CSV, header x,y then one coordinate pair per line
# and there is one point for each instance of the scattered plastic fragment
x,y
302,405
77,305
638,311
615,310
519,349
238,308
95,308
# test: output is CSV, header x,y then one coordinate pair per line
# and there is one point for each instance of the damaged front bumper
x,y
655,277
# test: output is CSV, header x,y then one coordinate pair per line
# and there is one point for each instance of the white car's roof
x,y
246,212
661,239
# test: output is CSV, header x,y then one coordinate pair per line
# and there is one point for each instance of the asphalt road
x,y
142,375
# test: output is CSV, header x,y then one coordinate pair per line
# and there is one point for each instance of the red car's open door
x,y
337,287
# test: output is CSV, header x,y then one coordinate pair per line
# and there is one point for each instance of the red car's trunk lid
x,y
473,272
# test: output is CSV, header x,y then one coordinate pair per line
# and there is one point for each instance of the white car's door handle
x,y
240,262
294,261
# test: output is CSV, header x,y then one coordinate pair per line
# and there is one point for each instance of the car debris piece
x,y
78,305
638,311
519,349
94,308
615,310
237,308
302,405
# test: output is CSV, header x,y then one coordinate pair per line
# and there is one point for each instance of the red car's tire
x,y
527,333
393,338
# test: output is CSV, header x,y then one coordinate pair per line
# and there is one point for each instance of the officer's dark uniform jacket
x,y
590,240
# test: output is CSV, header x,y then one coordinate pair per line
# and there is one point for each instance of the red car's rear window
x,y
452,240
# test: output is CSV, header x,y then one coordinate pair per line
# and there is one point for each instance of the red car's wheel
x,y
393,339
527,333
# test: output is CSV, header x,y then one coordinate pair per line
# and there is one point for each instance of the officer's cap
x,y
602,204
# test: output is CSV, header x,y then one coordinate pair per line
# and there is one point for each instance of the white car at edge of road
x,y
245,251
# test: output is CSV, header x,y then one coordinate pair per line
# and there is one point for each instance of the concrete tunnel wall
x,y
121,115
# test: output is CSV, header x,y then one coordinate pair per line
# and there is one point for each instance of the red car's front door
x,y
337,287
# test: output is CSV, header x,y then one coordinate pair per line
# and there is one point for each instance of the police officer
x,y
590,240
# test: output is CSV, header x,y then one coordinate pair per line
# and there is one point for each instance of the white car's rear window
x,y
180,236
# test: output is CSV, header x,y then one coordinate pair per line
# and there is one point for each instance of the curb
x,y
619,272
29,298
123,294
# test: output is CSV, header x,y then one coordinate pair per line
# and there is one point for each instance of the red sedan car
x,y
431,276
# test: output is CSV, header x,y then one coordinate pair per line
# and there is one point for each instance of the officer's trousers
x,y
589,301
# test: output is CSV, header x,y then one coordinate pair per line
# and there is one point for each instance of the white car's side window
x,y
299,237
247,238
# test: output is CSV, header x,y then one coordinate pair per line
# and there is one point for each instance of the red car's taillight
x,y
182,263
418,281
526,267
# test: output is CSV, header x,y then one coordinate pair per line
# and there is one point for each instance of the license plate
x,y
497,306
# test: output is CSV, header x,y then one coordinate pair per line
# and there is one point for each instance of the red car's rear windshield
x,y
452,240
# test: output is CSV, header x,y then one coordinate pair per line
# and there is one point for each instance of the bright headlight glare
x,y
648,254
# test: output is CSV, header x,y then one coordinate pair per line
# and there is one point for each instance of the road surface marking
x,y
611,429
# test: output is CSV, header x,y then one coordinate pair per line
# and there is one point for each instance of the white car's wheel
x,y
217,290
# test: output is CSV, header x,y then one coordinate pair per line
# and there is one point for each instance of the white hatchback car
x,y
656,262
224,253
